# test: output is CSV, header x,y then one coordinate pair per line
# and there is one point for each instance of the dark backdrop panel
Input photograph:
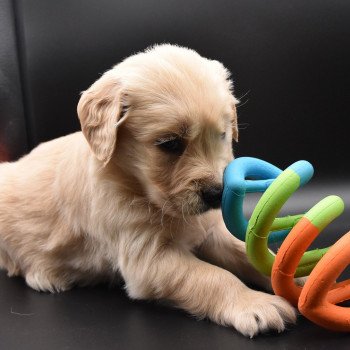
x,y
289,59
13,136
290,63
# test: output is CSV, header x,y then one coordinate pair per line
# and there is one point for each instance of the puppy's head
x,y
166,117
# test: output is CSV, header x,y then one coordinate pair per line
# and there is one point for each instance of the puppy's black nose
x,y
212,196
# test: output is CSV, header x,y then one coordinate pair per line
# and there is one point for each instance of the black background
x,y
289,61
290,64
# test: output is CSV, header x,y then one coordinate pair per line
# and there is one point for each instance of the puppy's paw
x,y
43,282
259,312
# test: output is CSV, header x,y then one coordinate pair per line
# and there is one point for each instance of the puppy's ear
x,y
234,123
100,111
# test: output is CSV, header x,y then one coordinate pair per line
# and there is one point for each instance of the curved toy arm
x,y
317,299
320,294
236,186
291,252
263,218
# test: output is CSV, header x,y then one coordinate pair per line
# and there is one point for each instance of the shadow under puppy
x,y
137,193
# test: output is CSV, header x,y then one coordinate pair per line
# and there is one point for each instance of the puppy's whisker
x,y
149,208
163,212
243,126
171,231
153,214
182,210
244,95
133,201
242,104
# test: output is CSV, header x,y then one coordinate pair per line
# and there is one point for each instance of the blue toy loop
x,y
261,174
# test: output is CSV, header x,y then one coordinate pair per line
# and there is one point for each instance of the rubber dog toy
x,y
246,175
317,299
263,220
296,243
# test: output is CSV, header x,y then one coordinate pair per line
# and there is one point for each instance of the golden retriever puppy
x,y
137,193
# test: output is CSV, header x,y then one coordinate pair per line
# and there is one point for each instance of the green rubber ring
x,y
263,221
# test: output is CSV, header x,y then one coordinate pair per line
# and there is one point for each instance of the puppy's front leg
x,y
223,249
203,289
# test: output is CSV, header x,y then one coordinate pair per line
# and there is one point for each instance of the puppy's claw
x,y
260,312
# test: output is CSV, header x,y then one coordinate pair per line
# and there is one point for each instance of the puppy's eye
x,y
173,145
223,136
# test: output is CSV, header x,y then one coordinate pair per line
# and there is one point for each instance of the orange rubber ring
x,y
317,299
320,294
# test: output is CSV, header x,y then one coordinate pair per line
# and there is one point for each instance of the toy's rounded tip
x,y
304,169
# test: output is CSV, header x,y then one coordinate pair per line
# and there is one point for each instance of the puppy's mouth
x,y
194,203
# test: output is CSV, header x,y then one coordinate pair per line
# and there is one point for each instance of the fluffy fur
x,y
112,200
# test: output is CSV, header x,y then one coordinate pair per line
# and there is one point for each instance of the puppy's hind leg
x,y
8,264
46,280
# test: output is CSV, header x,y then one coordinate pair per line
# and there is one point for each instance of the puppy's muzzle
x,y
212,196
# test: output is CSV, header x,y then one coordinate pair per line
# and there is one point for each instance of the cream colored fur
x,y
108,201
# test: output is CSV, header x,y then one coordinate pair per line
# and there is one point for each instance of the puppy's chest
x,y
95,257
192,235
